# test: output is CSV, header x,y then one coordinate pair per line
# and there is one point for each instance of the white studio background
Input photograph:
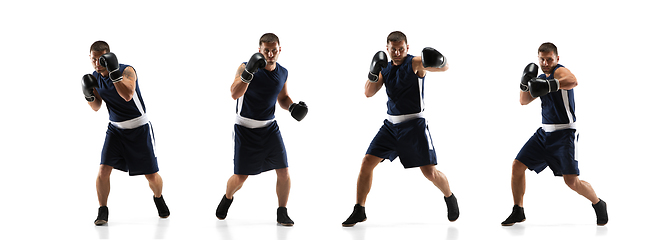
x,y
186,53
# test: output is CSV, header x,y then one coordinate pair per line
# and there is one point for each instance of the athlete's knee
x,y
518,168
152,177
430,176
370,162
282,174
572,181
239,177
105,171
430,172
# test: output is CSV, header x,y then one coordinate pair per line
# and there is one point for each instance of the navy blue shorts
x,y
259,149
410,140
130,150
557,149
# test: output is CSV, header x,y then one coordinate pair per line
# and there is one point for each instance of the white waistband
x,y
557,127
252,123
132,123
401,118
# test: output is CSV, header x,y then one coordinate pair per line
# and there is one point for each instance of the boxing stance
x,y
405,133
129,144
258,85
553,145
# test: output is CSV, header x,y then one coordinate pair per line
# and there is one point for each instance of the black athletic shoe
x,y
516,216
357,216
601,212
452,207
222,209
282,217
163,210
103,214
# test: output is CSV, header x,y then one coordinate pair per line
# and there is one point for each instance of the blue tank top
x,y
558,107
119,109
403,87
258,102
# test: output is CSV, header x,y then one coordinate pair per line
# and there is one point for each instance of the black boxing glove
x,y
88,83
256,62
109,61
540,87
298,110
379,61
529,73
432,58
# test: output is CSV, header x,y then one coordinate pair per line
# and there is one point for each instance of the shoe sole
x,y
352,224
217,216
286,224
100,222
511,224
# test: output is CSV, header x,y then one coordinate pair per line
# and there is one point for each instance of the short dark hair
x,y
268,38
396,36
99,46
548,47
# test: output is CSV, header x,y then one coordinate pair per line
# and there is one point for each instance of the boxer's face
x,y
548,61
397,50
270,51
